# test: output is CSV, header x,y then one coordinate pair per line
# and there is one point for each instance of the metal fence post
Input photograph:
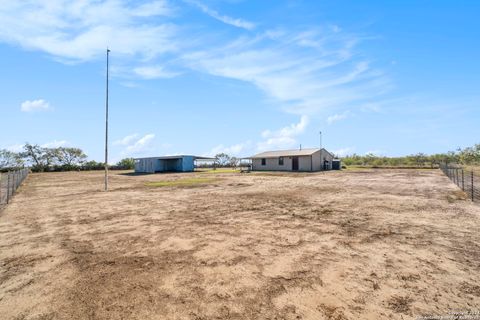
x,y
463,181
8,187
471,175
13,182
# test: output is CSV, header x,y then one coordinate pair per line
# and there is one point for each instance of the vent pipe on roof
x,y
300,146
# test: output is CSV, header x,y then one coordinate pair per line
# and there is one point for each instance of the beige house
x,y
293,160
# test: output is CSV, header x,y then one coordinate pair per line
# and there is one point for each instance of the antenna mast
x,y
106,129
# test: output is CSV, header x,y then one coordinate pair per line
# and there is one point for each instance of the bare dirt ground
x,y
385,244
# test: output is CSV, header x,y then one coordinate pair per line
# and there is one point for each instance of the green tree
x,y
42,159
470,155
127,163
222,159
9,159
93,165
69,157
234,161
38,157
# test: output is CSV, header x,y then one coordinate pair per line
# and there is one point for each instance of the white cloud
x,y
375,152
236,22
54,144
138,146
35,105
283,138
15,147
81,30
154,72
51,144
337,117
233,150
126,140
155,8
343,151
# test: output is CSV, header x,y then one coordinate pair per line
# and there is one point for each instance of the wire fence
x,y
467,180
9,183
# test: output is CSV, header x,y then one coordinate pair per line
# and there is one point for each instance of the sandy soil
x,y
387,244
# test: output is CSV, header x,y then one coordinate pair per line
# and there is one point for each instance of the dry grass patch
x,y
456,196
399,304
219,170
186,182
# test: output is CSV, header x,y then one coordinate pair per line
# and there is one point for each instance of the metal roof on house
x,y
286,153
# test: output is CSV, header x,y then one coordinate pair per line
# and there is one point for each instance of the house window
x,y
280,161
264,161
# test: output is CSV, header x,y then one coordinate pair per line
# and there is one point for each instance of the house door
x,y
326,165
294,163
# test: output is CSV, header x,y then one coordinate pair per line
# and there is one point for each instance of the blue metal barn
x,y
180,163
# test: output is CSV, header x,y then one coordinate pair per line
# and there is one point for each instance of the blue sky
x,y
209,76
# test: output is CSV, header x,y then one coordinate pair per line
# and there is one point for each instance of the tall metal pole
x,y
320,140
106,130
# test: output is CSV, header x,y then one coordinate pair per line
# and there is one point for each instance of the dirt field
x,y
386,244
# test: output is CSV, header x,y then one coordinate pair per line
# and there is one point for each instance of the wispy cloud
x,y
55,144
81,30
338,116
35,105
154,72
306,71
137,145
283,138
343,151
15,147
126,140
51,144
379,153
234,150
236,22
154,8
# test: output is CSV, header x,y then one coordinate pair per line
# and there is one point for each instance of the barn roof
x,y
286,153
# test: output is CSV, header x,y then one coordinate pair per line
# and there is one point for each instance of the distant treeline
x,y
221,160
467,156
41,159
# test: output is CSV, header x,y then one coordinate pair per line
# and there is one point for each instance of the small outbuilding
x,y
293,160
336,164
180,163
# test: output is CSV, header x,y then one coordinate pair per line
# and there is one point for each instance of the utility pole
x,y
106,130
